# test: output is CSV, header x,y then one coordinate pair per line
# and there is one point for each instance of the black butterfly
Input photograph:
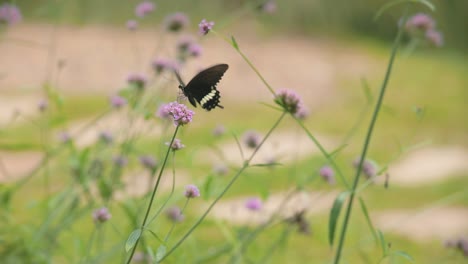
x,y
202,88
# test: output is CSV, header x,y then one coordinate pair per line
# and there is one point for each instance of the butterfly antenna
x,y
179,78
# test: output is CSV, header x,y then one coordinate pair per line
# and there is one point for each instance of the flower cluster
x,y
176,22
106,137
253,204
120,160
251,138
148,162
132,25
176,145
186,46
327,173
175,214
191,191
423,26
290,101
144,8
42,105
180,114
10,14
137,79
460,244
369,167
205,26
269,7
161,64
117,101
101,215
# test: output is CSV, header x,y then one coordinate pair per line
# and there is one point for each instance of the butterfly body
x,y
202,88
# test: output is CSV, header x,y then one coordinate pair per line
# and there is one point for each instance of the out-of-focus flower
x,y
195,50
175,214
64,137
369,167
42,105
117,101
460,244
141,257
435,38
251,138
144,8
302,113
162,64
176,145
101,215
10,14
132,25
148,162
176,22
180,114
205,26
289,100
184,42
220,169
120,160
419,23
253,204
191,191
137,79
219,130
106,137
268,7
327,173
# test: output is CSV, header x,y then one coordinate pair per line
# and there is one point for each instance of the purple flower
x,y
64,137
144,8
289,100
106,137
101,215
205,26
132,25
327,174
369,167
302,113
184,42
268,7
162,64
175,214
220,169
219,130
148,162
195,50
179,112
419,23
117,101
435,38
163,112
176,22
251,138
191,191
137,79
176,145
120,161
42,105
10,14
253,204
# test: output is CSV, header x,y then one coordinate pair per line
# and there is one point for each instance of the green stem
x,y
228,186
143,224
367,140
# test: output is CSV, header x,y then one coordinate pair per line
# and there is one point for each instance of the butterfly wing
x,y
202,87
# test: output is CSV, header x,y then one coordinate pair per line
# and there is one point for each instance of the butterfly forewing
x,y
202,87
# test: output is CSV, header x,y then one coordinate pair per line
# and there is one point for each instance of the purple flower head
x,y
251,138
289,100
195,50
120,160
148,162
144,8
176,22
205,26
184,42
137,79
268,7
117,101
106,137
175,214
101,215
327,173
64,137
132,25
191,191
369,167
9,14
219,130
176,145
180,113
253,204
419,23
42,105
162,64
435,38
220,169
163,112
302,113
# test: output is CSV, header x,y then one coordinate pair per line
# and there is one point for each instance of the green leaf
x,y
208,187
160,253
403,254
234,43
383,244
334,214
132,239
369,222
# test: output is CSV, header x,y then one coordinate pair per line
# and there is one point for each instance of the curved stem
x,y
367,140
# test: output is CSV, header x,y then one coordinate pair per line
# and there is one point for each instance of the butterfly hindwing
x,y
202,87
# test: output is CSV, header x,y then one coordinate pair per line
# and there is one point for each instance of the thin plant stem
x,y
228,186
367,140
153,194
